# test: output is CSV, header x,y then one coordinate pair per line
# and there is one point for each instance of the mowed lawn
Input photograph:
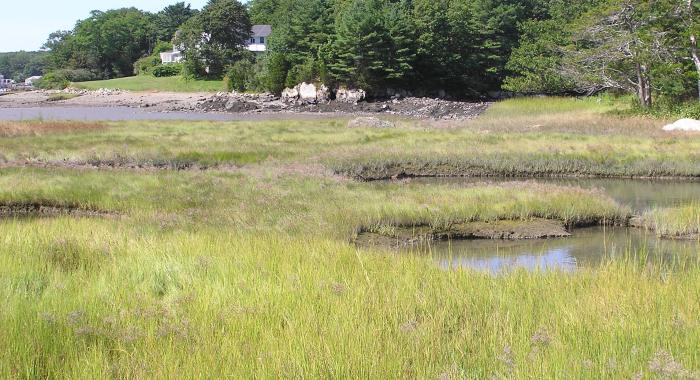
x,y
151,83
224,250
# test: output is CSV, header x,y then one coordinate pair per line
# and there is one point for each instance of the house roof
x,y
262,30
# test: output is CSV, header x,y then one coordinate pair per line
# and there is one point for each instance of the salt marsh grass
x,y
246,269
207,304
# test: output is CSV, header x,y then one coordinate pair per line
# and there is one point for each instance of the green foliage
x,y
372,45
240,76
167,70
118,42
167,22
263,11
53,81
668,107
145,65
466,47
60,79
23,64
535,65
214,37
308,72
276,68
107,42
634,46
77,75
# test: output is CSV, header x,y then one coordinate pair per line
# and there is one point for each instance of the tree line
x,y
22,64
466,48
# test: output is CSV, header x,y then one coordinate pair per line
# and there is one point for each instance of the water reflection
x,y
639,194
587,247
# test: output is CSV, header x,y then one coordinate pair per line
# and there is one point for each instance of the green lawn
x,y
151,83
247,270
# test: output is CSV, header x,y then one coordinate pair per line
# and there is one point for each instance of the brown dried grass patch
x,y
37,128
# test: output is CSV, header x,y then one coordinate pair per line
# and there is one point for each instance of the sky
x,y
25,24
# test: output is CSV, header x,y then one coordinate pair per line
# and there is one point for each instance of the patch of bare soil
x,y
49,209
502,229
35,128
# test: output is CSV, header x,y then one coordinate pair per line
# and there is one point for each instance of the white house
x,y
256,44
171,56
258,38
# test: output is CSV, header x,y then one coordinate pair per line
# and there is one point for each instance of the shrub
x,y
240,75
305,72
162,46
169,70
78,75
60,79
53,81
146,64
667,107
276,71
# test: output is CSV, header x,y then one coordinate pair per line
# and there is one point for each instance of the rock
x,y
307,93
684,125
345,95
290,95
369,122
323,94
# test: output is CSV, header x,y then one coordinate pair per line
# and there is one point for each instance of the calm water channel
x,y
587,246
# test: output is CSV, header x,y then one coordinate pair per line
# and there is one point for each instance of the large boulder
x,y
307,93
354,96
684,125
290,95
369,122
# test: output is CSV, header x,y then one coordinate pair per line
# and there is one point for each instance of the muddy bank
x,y
181,104
402,236
50,209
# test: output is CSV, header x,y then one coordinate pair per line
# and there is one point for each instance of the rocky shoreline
x,y
243,103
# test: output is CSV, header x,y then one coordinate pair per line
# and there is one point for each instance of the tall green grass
x,y
91,299
680,222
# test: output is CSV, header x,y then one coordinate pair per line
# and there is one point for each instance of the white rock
x,y
684,125
307,92
290,95
350,96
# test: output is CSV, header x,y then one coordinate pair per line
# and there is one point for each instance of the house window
x,y
252,40
262,40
